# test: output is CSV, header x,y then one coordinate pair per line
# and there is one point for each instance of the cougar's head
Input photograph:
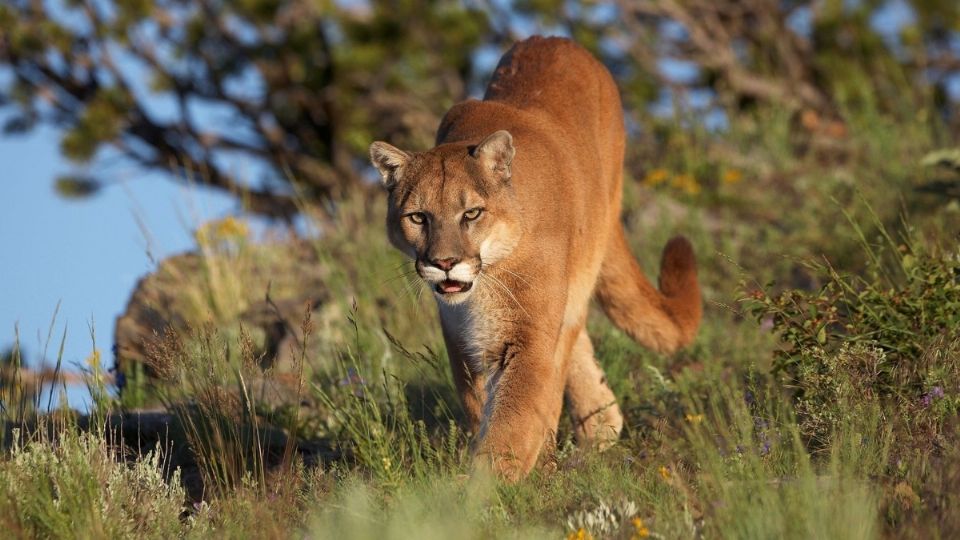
x,y
451,209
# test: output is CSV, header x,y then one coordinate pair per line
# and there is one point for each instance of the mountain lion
x,y
513,220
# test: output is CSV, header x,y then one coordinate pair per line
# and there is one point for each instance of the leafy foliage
x,y
296,90
76,488
891,339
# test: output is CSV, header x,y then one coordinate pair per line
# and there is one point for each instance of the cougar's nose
x,y
445,264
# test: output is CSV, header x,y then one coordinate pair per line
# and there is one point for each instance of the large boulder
x,y
263,289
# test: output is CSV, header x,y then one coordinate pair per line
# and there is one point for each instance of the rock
x,y
262,290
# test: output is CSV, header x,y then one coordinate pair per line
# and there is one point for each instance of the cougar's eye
x,y
472,214
417,217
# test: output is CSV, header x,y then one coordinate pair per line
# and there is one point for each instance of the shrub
x,y
76,488
891,338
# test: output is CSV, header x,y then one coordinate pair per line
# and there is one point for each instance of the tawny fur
x,y
521,199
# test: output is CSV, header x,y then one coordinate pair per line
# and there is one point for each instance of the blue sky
x,y
85,254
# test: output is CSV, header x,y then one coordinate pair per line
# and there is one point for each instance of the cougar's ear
x,y
389,160
496,153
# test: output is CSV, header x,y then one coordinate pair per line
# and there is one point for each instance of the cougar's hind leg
x,y
593,407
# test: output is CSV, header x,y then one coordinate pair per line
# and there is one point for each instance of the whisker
x,y
506,297
516,275
400,275
420,289
482,279
522,277
408,289
507,290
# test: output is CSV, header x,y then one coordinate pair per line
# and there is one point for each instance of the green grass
x,y
772,424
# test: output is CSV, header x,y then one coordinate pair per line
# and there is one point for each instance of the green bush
x,y
890,339
76,488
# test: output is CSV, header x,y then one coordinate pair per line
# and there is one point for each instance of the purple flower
x,y
766,324
353,379
935,393
765,447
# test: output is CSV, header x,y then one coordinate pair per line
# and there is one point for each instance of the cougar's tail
x,y
663,320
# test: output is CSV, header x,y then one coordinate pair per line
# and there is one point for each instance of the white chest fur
x,y
474,329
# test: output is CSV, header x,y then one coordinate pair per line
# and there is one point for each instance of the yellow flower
x,y
387,464
639,529
694,418
731,176
580,534
94,360
664,472
228,228
686,183
656,177
231,227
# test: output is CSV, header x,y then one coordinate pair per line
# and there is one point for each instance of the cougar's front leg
x,y
467,376
469,385
524,389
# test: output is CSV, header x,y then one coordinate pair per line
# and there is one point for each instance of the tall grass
x,y
375,421
755,479
213,402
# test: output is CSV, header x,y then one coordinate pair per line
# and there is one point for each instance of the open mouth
x,y
450,286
